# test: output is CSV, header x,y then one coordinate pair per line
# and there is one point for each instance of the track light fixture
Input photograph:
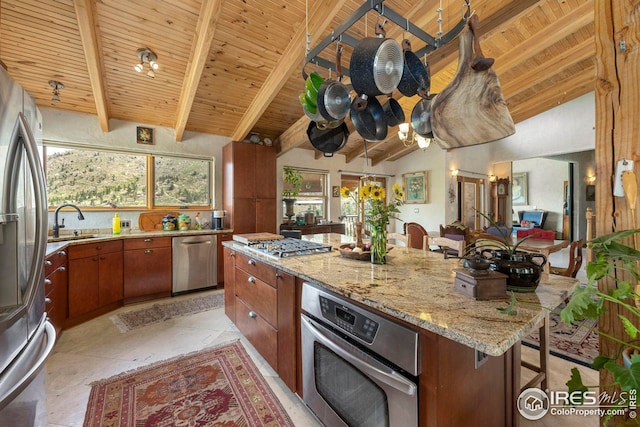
x,y
146,56
56,85
403,134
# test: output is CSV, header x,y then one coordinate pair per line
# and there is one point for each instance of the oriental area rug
x,y
577,342
219,386
127,321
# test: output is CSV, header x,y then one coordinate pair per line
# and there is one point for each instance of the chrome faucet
x,y
56,226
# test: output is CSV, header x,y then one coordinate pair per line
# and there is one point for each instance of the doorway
x,y
470,201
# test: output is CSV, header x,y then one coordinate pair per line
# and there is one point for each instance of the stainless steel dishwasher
x,y
195,263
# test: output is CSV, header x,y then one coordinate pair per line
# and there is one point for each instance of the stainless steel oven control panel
x,y
392,341
354,322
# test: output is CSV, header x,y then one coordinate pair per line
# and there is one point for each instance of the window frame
x,y
149,174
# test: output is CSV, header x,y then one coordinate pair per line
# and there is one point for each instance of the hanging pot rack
x,y
339,33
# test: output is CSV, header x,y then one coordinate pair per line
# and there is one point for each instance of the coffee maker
x,y
217,219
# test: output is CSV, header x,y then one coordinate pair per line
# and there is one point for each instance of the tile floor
x,y
96,350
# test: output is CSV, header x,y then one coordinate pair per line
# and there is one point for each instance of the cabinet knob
x,y
252,314
251,262
98,248
148,251
47,282
47,300
148,240
103,258
233,254
252,280
47,262
278,276
62,253
63,268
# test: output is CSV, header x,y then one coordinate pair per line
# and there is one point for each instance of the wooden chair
x,y
448,246
394,238
417,233
575,260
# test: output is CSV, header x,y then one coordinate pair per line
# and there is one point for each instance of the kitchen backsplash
x,y
100,222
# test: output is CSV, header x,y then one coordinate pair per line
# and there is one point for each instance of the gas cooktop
x,y
288,247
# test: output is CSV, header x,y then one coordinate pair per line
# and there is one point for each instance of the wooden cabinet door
x,y
147,272
110,278
83,285
265,172
244,170
288,328
56,291
266,216
230,284
222,238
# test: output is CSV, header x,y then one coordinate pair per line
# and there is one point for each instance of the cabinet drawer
x,y
54,261
259,333
259,296
87,250
147,242
256,268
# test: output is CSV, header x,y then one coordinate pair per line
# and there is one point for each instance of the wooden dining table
x,y
542,246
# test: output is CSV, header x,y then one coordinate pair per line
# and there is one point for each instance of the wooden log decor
x,y
471,109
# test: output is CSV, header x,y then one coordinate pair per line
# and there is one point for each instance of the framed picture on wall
x,y
519,189
335,191
415,187
144,135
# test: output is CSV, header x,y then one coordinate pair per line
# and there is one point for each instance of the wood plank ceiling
x,y
231,67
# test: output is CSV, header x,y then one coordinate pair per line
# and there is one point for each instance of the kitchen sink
x,y
66,238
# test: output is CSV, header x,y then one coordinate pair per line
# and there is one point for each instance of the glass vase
x,y
378,245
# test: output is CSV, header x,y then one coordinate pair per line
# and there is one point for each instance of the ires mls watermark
x,y
534,403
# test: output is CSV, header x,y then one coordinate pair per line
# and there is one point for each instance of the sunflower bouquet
x,y
378,212
377,209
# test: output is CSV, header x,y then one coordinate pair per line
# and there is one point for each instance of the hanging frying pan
x,y
415,75
369,122
393,112
421,118
333,96
376,65
328,140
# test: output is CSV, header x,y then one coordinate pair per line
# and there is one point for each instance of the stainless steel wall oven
x,y
358,368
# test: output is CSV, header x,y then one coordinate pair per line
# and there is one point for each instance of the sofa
x,y
528,220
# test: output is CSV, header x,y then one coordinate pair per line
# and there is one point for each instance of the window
x,y
181,182
313,194
93,178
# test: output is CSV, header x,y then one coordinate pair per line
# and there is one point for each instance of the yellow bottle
x,y
116,224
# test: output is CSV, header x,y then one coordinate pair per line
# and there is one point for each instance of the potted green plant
x,y
615,260
291,189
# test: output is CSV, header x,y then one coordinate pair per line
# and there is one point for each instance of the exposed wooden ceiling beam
x,y
205,29
86,16
320,17
293,137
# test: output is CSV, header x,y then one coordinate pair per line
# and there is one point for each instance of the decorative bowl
x,y
360,256
346,250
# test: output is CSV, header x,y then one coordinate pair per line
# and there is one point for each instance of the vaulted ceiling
x,y
232,67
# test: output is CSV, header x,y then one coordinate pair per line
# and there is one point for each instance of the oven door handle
x,y
380,372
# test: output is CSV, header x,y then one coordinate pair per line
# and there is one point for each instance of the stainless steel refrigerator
x,y
26,336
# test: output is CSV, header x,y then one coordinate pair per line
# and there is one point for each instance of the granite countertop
x,y
57,245
417,287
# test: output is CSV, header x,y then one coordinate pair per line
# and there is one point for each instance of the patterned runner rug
x,y
577,342
160,312
218,386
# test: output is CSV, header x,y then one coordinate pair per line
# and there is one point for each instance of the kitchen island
x,y
416,288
